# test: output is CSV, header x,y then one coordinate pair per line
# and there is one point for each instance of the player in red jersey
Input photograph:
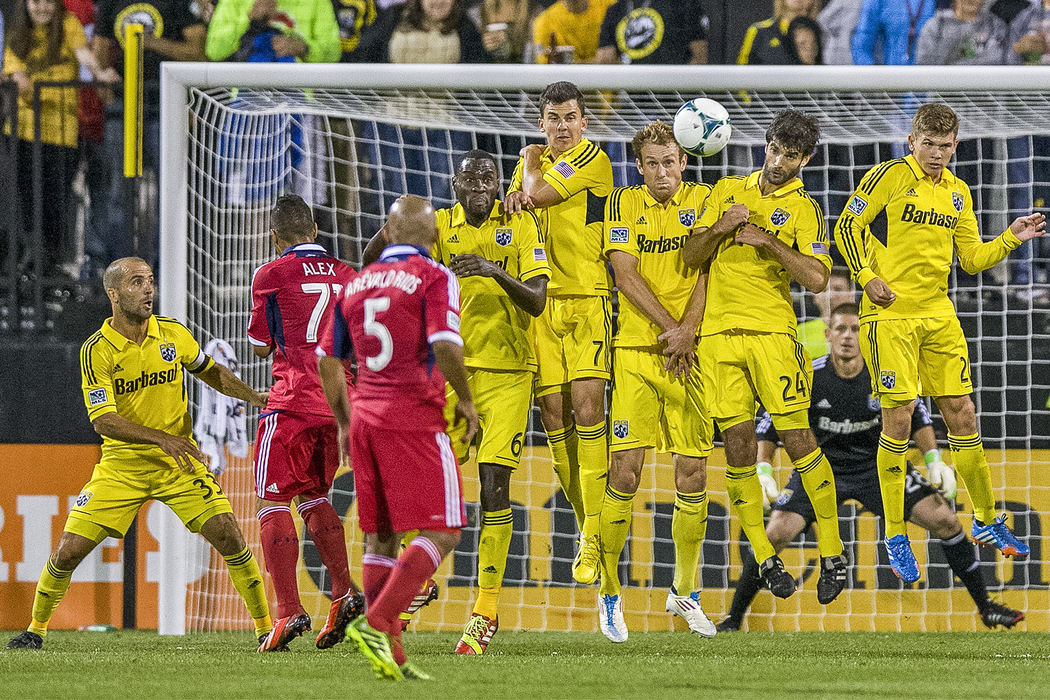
x,y
296,456
399,318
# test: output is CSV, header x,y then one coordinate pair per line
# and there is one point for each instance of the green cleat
x,y
412,673
375,645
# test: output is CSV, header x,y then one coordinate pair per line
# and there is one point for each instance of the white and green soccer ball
x,y
702,127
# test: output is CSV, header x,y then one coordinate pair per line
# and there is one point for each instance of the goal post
x,y
352,137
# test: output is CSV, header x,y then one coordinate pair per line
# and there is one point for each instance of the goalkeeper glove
x,y
941,475
770,490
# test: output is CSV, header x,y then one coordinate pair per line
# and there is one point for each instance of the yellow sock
x,y
819,481
688,527
745,495
53,584
614,523
593,452
968,456
497,527
563,446
244,570
892,465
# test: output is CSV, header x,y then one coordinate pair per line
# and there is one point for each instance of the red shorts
x,y
405,479
295,454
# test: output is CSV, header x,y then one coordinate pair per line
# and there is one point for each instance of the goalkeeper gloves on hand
x,y
770,490
943,478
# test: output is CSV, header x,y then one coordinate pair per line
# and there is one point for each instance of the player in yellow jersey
x,y
657,398
132,378
502,266
898,233
756,235
567,182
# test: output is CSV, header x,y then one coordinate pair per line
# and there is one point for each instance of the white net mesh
x,y
351,152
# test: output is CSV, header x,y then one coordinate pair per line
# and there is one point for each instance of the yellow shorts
x,y
503,400
912,357
573,341
737,367
117,490
650,408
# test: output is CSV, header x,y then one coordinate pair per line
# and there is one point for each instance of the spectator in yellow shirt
x,y
569,24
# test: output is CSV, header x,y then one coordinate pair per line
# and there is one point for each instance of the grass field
x,y
532,664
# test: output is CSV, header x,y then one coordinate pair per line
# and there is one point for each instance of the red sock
x,y
375,570
280,545
415,565
397,649
328,535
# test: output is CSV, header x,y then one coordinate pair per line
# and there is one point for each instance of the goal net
x,y
351,140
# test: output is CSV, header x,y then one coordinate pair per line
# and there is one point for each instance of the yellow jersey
x,y
143,383
637,224
581,31
572,229
749,289
495,330
902,228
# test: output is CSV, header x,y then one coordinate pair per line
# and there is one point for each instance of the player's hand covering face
x,y
661,167
932,152
782,163
563,124
476,186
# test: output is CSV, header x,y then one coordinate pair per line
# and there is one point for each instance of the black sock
x,y
960,555
747,588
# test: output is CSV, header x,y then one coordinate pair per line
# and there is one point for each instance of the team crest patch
x,y
621,428
618,234
888,378
504,236
874,404
857,205
687,217
97,396
957,201
83,498
167,352
779,217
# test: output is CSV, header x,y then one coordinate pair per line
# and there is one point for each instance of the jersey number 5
x,y
377,330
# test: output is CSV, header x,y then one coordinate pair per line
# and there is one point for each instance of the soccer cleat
x,y
997,534
730,624
996,614
610,618
477,634
411,673
284,630
427,594
339,616
779,582
832,578
587,566
902,561
688,608
375,645
26,640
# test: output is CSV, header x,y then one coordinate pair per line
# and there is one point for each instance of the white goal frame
x,y
178,78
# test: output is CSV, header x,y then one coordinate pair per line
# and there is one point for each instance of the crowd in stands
x,y
41,42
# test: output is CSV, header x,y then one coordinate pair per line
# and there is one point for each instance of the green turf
x,y
529,664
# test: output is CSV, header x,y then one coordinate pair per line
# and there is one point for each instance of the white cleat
x,y
610,618
688,608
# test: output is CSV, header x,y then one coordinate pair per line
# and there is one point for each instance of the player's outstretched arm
x,y
374,248
449,357
225,381
530,295
704,241
117,427
807,270
1028,227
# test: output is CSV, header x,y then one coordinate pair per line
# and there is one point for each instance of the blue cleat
x,y
997,535
902,561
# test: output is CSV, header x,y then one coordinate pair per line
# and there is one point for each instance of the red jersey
x,y
292,298
387,317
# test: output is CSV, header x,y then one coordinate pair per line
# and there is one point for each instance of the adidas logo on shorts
x,y
272,488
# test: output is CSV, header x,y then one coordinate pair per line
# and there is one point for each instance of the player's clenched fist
x,y
734,217
879,292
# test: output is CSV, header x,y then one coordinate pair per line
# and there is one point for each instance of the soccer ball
x,y
702,127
